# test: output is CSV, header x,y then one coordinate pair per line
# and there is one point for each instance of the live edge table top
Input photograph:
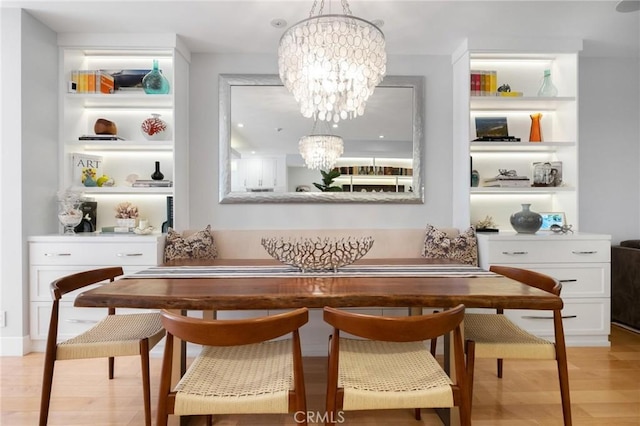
x,y
316,290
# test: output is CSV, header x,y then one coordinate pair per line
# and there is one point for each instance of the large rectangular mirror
x,y
261,124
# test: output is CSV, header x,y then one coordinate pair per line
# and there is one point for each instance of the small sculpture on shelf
x,y
486,225
126,214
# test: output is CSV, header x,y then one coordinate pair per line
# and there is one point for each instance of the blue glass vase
x,y
154,83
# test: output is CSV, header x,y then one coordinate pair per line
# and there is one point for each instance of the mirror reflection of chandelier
x,y
320,150
332,63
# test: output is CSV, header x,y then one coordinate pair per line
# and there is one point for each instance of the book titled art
x,y
86,168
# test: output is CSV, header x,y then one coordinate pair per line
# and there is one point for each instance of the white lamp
x,y
332,63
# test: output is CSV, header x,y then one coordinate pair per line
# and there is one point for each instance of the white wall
x,y
437,156
28,176
609,151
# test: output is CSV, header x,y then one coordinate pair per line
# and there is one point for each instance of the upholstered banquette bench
x,y
388,243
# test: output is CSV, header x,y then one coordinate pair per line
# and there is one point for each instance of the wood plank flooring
x,y
605,390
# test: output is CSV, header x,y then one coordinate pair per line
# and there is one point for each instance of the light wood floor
x,y
605,390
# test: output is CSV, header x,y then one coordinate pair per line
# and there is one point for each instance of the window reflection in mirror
x,y
260,126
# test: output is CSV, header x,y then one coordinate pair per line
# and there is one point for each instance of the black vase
x,y
526,221
157,175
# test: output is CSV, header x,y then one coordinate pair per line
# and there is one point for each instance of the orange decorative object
x,y
535,135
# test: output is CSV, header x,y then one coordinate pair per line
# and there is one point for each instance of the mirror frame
x,y
227,81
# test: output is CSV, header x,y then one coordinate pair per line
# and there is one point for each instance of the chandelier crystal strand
x,y
332,64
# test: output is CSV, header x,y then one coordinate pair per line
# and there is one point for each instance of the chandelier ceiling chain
x,y
332,63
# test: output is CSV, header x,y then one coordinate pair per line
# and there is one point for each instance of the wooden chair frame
x,y
550,285
59,288
212,332
397,329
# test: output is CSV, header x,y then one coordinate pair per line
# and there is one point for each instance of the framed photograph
x,y
552,218
491,127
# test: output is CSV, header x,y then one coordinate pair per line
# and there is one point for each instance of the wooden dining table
x,y
245,284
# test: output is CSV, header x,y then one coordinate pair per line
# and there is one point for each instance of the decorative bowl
x,y
317,254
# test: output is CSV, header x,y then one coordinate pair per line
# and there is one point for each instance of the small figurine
x,y
564,229
504,88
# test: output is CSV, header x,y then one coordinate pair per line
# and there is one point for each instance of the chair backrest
x,y
531,278
233,332
72,282
395,329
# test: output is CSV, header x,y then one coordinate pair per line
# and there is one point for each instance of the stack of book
x,y
483,82
502,181
100,138
148,183
91,81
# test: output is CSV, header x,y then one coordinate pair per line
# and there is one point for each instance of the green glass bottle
x,y
154,83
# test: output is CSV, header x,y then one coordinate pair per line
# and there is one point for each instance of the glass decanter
x,y
547,89
154,83
69,215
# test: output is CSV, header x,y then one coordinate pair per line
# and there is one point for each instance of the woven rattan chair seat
x,y
378,375
115,335
252,378
497,337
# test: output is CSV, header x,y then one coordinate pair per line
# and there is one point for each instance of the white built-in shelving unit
x,y
521,65
127,108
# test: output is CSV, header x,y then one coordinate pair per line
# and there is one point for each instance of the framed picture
x,y
552,218
491,127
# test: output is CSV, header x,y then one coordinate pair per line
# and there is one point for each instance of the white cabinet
x,y
54,256
127,107
581,262
521,65
259,174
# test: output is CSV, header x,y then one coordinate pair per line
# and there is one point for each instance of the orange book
x,y
104,82
91,81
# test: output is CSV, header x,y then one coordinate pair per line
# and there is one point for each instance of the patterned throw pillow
x,y
199,245
439,245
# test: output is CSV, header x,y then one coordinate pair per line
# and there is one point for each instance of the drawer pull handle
x,y
573,280
57,254
514,252
81,321
547,318
584,252
128,254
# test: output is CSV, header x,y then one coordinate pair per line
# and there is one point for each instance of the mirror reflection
x,y
260,126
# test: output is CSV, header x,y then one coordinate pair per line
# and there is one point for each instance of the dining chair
x,y
389,365
494,336
115,335
240,369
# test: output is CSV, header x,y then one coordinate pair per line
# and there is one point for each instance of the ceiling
x,y
410,27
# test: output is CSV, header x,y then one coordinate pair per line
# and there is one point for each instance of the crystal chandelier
x,y
332,63
319,150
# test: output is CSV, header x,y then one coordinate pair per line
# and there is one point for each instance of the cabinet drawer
x,y
577,279
575,251
72,321
135,253
41,277
580,317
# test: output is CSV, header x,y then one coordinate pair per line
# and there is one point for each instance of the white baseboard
x,y
15,346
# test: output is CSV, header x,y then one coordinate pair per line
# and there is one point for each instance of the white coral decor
x,y
126,211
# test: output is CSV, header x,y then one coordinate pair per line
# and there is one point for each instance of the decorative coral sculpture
x,y
317,254
126,210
